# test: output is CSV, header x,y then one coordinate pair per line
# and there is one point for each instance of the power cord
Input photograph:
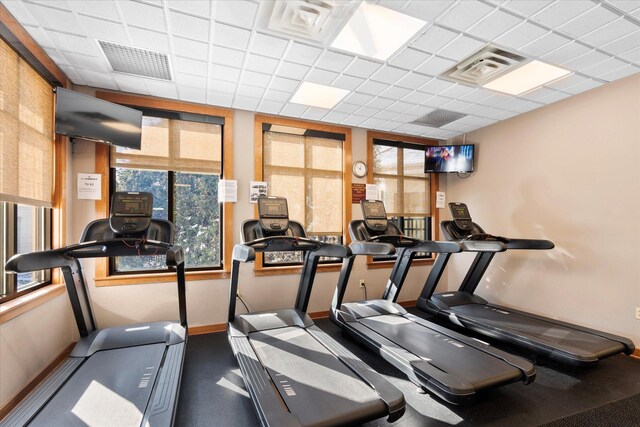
x,y
243,303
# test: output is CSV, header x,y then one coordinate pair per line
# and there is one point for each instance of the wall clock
x,y
359,169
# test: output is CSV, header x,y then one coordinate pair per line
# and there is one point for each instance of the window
x,y
305,164
398,170
180,163
26,168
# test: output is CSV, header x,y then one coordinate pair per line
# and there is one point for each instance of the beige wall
x,y
568,172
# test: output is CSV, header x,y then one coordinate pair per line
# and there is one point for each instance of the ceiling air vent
x,y
139,62
483,66
438,118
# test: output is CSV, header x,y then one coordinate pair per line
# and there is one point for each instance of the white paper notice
x,y
440,199
372,192
228,191
90,186
257,188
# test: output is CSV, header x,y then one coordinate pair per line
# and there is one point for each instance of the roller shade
x,y
26,134
176,145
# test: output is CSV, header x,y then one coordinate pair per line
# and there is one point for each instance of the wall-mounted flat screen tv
x,y
448,158
82,116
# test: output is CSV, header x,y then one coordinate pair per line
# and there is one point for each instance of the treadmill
x,y
562,342
445,363
294,372
123,375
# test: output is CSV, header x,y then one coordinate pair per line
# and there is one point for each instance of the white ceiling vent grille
x,y
139,62
483,66
438,118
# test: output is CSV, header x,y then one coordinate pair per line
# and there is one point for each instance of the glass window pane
x,y
30,237
416,193
413,162
197,218
385,159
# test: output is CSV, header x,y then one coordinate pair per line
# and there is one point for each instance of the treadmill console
x,y
461,216
375,216
273,214
130,212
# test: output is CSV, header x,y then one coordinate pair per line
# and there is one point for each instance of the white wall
x,y
570,173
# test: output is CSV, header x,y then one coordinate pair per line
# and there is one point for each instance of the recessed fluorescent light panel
x,y
376,31
526,78
316,95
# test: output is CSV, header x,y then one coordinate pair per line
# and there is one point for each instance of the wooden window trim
x,y
258,268
435,220
102,277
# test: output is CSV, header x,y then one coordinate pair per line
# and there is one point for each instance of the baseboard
x,y
13,402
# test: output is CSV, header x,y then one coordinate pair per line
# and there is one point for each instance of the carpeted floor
x,y
213,393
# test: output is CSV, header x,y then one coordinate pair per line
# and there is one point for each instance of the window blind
x,y
175,145
308,172
26,134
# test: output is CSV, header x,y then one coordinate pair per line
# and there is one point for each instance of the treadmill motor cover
x,y
375,215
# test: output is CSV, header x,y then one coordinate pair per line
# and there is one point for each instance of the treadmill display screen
x,y
374,210
136,204
459,211
272,208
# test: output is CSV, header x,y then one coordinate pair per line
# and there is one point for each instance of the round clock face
x,y
359,169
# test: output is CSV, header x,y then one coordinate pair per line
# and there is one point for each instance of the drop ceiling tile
x,y
520,35
434,39
79,44
583,87
373,88
222,72
417,97
436,86
57,57
526,8
101,80
388,74
131,84
261,64
265,45
345,107
400,107
190,80
256,79
428,11
219,99
335,116
632,55
494,99
190,66
85,62
239,13
322,77
567,82
190,48
544,45
635,13
562,11
625,5
303,54
389,126
566,53
387,115
73,74
222,86
250,91
53,18
224,56
493,25
538,94
610,32
143,15
367,111
586,60
380,102
293,110
194,7
464,14
620,73
460,48
413,80
347,82
476,95
225,35
245,103
162,89
362,68
588,21
409,58
277,95
410,128
456,105
105,9
372,123
359,99
435,65
315,113
292,71
418,111
283,84
147,39
190,26
605,67
354,120
333,61
623,43
41,36
396,92
456,91
20,11
270,107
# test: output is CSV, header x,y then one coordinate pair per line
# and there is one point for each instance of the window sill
x,y
20,305
275,271
140,279
372,265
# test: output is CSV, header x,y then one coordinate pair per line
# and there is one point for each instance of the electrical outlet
x,y
361,283
637,311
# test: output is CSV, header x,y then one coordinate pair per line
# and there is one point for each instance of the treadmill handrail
x,y
292,243
481,245
536,244
372,248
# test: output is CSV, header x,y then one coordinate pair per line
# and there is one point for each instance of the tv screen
x,y
449,158
82,116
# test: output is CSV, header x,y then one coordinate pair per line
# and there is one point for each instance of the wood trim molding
x,y
102,206
207,329
277,271
15,307
410,303
15,400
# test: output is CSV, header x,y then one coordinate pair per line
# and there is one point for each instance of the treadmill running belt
x,y
100,393
450,356
544,332
315,385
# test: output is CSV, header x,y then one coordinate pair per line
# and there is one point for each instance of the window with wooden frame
x,y
407,192
306,164
184,154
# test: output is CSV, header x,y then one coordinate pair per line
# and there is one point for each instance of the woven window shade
x,y
308,172
26,133
175,145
